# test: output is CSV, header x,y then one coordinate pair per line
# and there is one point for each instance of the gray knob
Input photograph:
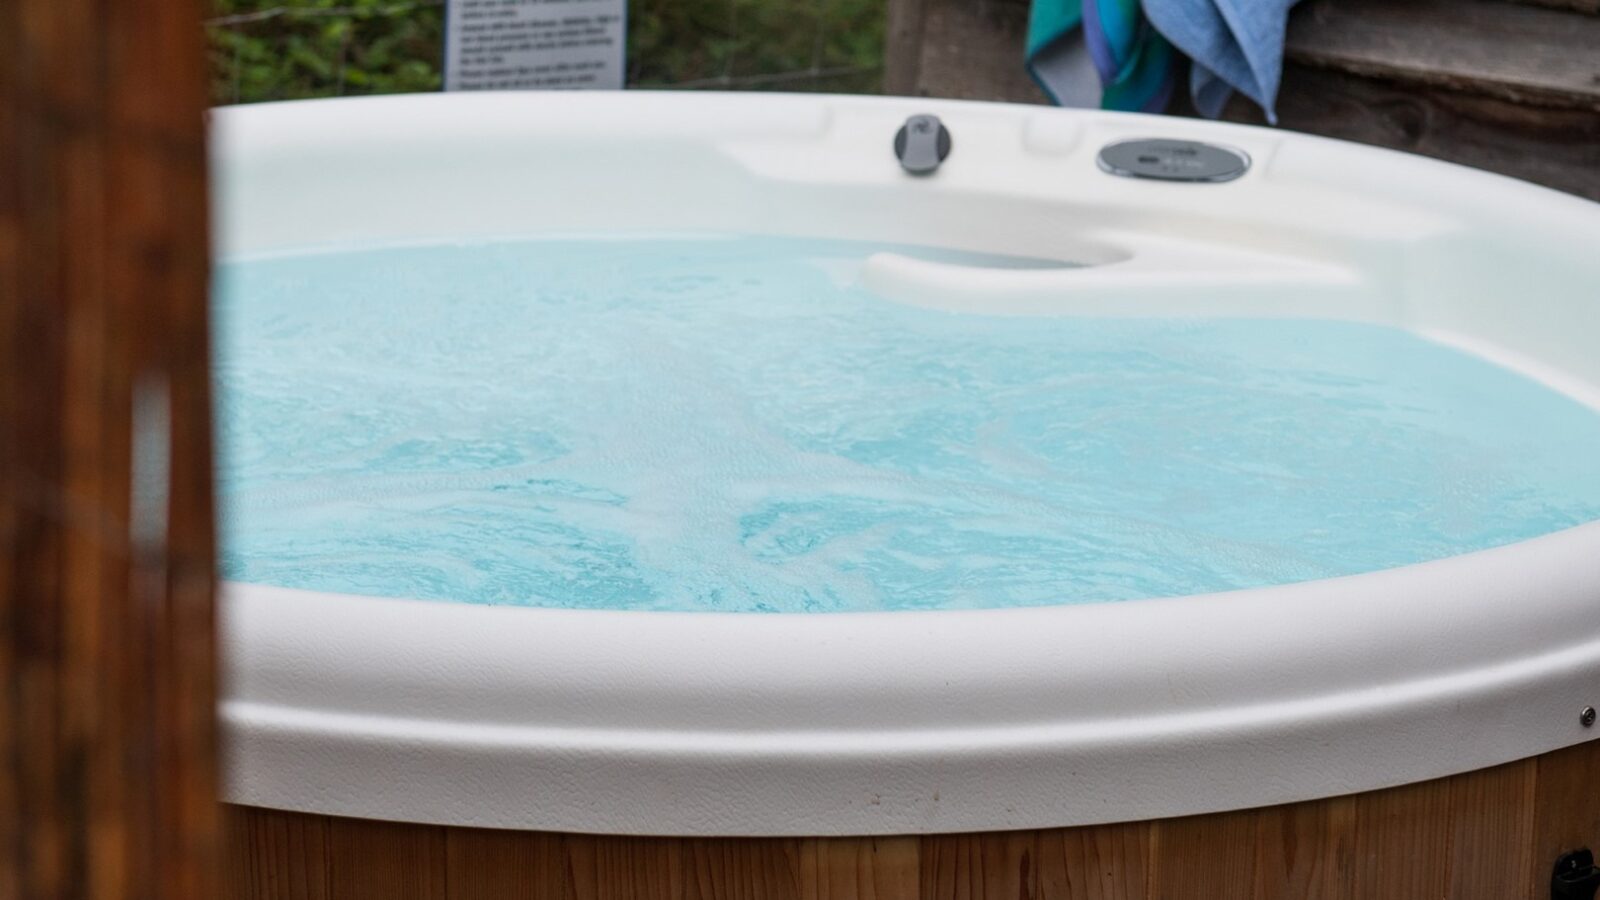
x,y
922,143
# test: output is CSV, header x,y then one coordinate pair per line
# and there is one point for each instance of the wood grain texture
x,y
107,788
971,866
902,51
1203,856
1401,843
272,853
964,49
1478,842
413,856
1486,835
880,868
1566,804
1110,862
1587,7
1523,54
1298,850
740,868
1508,88
645,868
1558,148
481,864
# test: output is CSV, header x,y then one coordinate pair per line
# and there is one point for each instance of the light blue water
x,y
732,425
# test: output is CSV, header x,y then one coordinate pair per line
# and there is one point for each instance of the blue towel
x,y
1133,63
1233,45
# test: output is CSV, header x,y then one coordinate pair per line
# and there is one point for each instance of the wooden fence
x,y
107,786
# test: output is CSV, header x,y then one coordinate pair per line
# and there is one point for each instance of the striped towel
x,y
1136,65
1136,49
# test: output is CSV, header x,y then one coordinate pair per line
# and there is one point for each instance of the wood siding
x,y
1510,88
1487,835
107,789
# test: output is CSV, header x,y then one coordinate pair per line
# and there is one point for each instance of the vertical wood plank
x,y
107,773
371,860
274,855
972,50
1463,838
1491,832
482,864
1401,842
1101,862
1339,850
976,866
885,868
902,52
741,869
1566,805
1298,848
1428,77
643,868
1202,857
1303,851
1558,148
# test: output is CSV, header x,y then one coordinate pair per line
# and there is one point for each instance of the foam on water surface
x,y
732,424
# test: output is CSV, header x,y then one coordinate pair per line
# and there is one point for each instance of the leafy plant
x,y
293,49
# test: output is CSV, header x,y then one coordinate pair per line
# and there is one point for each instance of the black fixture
x,y
1576,877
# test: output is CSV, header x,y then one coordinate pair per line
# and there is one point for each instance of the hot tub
x,y
632,722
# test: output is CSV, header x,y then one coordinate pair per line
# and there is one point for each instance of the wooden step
x,y
1512,87
1588,7
1512,51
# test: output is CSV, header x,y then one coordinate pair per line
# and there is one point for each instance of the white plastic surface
x,y
705,724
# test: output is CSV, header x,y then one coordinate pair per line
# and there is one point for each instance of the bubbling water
x,y
733,425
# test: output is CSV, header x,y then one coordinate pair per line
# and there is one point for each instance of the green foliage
x,y
756,43
292,49
379,47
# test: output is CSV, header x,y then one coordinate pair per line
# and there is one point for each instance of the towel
x,y
1135,65
1231,44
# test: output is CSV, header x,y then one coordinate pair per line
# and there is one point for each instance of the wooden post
x,y
902,52
965,49
107,772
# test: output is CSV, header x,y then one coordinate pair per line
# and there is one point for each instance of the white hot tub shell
x,y
919,722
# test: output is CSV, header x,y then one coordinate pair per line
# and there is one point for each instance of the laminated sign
x,y
496,45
